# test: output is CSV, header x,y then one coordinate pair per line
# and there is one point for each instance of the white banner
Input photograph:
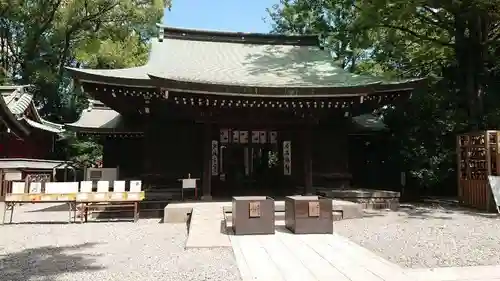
x,y
287,158
215,157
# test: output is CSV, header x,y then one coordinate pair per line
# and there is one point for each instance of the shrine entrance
x,y
246,166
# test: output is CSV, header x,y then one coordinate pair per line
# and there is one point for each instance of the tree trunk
x,y
469,52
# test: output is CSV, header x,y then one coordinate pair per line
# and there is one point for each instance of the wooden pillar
x,y
307,146
3,191
207,162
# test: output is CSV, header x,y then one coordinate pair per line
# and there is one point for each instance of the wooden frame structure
x,y
477,158
75,193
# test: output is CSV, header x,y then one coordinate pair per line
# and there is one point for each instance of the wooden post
x,y
308,179
490,206
207,162
3,191
146,146
459,168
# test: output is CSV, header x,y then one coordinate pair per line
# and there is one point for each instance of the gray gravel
x,y
428,236
121,251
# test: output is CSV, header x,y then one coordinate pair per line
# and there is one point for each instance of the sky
x,y
224,15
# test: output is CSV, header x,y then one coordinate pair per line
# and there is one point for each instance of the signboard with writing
x,y
495,188
254,209
262,137
236,136
255,137
35,187
215,158
287,158
224,135
243,136
314,209
273,137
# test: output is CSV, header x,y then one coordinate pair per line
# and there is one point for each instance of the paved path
x,y
287,257
206,227
314,257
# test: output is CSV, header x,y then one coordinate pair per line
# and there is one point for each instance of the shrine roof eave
x,y
11,121
100,119
378,88
130,77
102,131
32,164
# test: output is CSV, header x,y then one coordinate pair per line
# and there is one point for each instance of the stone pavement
x,y
286,256
206,228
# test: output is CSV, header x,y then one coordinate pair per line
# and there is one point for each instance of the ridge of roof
x,y
15,101
17,98
236,37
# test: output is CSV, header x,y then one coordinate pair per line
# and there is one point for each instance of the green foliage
x,y
453,43
44,36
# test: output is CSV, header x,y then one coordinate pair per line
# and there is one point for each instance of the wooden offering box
x,y
253,215
308,214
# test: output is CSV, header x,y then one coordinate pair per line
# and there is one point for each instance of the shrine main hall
x,y
246,114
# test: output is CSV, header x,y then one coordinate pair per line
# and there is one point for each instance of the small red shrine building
x,y
26,139
245,113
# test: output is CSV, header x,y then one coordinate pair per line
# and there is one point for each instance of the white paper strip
x,y
273,137
224,135
61,187
86,186
243,136
262,136
35,187
18,187
255,137
215,158
287,158
103,186
188,183
135,186
119,186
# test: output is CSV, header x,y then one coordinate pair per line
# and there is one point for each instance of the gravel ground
x,y
120,251
420,236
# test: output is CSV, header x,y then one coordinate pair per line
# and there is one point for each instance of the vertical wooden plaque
x,y
314,209
254,209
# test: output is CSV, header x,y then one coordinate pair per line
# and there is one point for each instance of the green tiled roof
x,y
97,117
234,59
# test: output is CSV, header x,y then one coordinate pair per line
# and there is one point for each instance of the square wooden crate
x,y
253,215
308,214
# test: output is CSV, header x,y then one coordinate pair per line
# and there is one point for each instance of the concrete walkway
x,y
207,227
314,257
285,256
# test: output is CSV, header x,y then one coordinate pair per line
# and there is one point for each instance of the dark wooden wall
x,y
37,146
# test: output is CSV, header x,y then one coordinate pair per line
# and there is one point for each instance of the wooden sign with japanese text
x,y
287,158
254,209
215,158
314,209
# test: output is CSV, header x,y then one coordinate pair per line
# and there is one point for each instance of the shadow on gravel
x,y
430,211
46,263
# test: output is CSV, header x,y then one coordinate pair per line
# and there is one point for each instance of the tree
x,y
45,36
468,30
39,38
453,43
333,20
